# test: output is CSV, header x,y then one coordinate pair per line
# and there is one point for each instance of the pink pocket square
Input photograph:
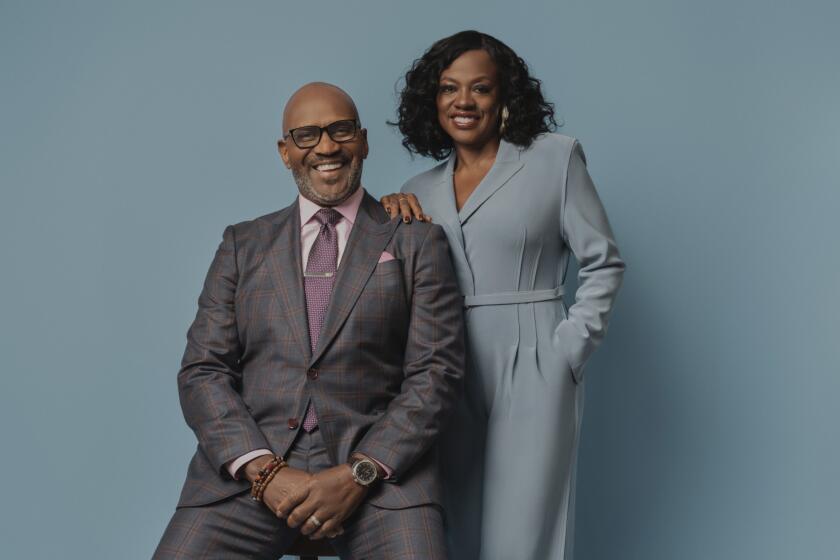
x,y
385,257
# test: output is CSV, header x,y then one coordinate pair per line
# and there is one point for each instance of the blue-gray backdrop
x,y
132,133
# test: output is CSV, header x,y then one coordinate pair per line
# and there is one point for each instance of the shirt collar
x,y
348,209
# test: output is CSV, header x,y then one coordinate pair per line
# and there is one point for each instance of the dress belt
x,y
509,298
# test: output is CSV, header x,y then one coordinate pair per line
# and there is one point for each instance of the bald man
x,y
324,359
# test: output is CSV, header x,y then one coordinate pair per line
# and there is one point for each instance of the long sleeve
x,y
434,364
587,232
234,466
210,376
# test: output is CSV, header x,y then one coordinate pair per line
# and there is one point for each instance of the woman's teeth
x,y
465,120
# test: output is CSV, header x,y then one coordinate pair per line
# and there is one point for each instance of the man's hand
x,y
332,497
288,485
406,205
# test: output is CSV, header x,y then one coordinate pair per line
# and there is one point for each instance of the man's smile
x,y
329,168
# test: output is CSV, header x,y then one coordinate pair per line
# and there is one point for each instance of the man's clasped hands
x,y
317,503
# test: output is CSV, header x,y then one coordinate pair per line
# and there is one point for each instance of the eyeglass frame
x,y
357,125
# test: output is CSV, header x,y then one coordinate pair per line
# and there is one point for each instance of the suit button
x,y
312,374
293,423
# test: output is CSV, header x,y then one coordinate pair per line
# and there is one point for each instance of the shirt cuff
x,y
234,466
386,468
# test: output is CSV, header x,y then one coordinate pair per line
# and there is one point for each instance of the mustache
x,y
317,160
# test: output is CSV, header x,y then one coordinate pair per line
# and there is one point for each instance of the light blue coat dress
x,y
508,458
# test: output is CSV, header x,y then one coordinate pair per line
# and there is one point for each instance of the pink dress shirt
x,y
308,233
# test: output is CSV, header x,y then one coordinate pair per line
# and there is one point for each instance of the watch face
x,y
365,471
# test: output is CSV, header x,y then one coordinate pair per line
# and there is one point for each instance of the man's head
x,y
328,169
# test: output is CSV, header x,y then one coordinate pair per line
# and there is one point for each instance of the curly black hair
x,y
529,113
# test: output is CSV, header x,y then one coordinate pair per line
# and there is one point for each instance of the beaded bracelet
x,y
261,479
258,488
265,475
268,478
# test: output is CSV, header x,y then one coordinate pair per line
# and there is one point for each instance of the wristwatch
x,y
364,471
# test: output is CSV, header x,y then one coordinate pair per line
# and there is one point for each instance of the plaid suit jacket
x,y
387,370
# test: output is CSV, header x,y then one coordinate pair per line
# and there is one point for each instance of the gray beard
x,y
304,184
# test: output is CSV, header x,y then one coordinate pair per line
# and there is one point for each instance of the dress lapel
x,y
283,259
446,214
371,233
507,164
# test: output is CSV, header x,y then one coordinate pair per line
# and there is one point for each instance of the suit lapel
x,y
371,233
283,259
507,164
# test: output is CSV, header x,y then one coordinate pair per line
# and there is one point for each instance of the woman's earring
x,y
503,120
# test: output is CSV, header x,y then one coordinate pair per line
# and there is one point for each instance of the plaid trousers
x,y
240,528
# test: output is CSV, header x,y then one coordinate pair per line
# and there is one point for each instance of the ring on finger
x,y
314,520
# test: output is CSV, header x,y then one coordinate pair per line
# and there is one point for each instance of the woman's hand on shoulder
x,y
405,205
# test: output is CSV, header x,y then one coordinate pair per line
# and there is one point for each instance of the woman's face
x,y
468,99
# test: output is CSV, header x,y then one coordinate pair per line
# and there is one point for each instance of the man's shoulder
x,y
416,234
262,224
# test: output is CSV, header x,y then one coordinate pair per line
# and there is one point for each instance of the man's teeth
x,y
328,166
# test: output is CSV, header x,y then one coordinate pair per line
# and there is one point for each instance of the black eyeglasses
x,y
309,136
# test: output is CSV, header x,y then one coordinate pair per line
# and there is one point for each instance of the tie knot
x,y
328,216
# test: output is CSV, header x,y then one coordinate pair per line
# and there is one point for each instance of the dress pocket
x,y
560,348
558,342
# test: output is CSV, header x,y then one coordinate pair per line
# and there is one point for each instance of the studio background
x,y
133,133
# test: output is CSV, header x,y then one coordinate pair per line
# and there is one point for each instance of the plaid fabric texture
x,y
383,373
239,528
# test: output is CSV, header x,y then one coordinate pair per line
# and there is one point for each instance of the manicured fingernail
x,y
407,220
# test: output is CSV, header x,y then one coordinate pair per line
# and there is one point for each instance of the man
x,y
328,339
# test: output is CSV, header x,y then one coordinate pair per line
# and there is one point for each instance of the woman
x,y
515,200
